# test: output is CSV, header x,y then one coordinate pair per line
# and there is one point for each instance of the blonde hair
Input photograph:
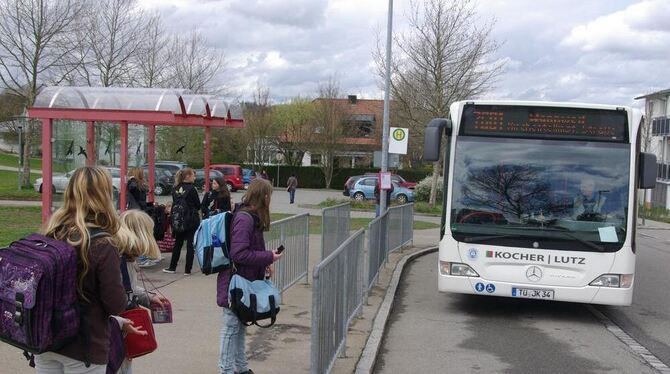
x,y
87,204
257,200
136,235
181,175
138,174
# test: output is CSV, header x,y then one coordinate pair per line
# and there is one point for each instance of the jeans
x,y
232,358
53,363
291,195
180,237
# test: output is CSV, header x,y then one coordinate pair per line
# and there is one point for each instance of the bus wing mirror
x,y
647,170
433,138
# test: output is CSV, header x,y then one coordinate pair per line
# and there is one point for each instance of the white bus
x,y
540,200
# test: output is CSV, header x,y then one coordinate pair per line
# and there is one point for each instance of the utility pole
x,y
387,106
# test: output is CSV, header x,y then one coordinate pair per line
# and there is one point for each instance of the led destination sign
x,y
545,123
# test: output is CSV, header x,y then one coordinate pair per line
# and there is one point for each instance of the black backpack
x,y
182,216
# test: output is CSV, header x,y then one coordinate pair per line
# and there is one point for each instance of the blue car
x,y
364,189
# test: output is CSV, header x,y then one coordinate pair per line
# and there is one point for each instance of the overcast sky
x,y
601,51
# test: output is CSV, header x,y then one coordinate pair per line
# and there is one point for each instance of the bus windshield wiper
x,y
474,239
567,233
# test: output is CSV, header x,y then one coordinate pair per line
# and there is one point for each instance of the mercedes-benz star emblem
x,y
534,273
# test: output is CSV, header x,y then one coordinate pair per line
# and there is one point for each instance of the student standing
x,y
136,190
292,185
184,217
252,261
87,207
217,199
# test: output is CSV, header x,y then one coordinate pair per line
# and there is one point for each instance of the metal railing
x,y
335,227
377,247
400,229
337,298
293,234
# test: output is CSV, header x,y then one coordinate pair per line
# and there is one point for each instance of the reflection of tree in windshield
x,y
516,190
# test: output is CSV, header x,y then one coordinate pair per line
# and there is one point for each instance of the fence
x,y
293,234
387,233
335,226
337,297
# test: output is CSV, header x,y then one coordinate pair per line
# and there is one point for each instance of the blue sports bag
x,y
253,301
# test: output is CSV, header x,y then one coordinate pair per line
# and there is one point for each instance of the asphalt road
x,y
432,332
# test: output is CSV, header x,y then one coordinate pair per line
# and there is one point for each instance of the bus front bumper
x,y
586,294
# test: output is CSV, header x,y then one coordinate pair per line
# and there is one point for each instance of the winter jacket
x,y
136,195
212,204
247,250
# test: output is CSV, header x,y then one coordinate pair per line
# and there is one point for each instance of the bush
x,y
422,191
412,175
308,176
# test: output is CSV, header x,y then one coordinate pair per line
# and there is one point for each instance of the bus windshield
x,y
548,194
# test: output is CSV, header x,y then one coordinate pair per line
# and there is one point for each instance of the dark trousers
x,y
176,251
291,195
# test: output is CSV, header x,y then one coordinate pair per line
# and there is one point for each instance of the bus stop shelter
x,y
149,107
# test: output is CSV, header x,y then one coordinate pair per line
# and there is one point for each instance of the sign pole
x,y
387,89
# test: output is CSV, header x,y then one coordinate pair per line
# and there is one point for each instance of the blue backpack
x,y
212,243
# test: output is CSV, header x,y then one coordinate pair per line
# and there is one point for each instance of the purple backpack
x,y
39,311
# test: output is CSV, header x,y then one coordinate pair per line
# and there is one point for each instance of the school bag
x,y
182,215
253,301
212,243
39,311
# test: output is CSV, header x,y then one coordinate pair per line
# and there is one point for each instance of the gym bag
x,y
253,301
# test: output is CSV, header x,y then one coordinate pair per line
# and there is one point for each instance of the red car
x,y
232,174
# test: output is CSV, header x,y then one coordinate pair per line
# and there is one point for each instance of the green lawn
x,y
11,160
356,223
369,206
9,189
17,222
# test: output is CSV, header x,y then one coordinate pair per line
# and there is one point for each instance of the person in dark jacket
x,y
184,193
87,205
136,190
251,261
291,186
217,199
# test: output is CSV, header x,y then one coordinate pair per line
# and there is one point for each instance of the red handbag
x,y
140,345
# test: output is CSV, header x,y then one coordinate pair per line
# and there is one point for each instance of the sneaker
x,y
169,271
187,273
146,264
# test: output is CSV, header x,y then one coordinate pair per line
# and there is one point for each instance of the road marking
x,y
633,344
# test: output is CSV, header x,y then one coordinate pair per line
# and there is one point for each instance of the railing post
x,y
307,248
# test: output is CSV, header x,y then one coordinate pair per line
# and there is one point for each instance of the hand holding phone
x,y
280,249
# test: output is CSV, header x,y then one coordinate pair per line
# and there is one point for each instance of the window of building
x,y
362,125
316,160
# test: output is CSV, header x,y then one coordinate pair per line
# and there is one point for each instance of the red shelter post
x,y
124,165
90,143
47,158
208,142
151,160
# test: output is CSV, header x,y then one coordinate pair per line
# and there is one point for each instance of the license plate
x,y
532,293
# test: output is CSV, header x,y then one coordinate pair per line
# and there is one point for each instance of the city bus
x,y
540,199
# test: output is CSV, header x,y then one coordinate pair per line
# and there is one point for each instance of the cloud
x,y
298,13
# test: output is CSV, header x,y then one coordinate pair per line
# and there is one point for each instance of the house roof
x,y
655,95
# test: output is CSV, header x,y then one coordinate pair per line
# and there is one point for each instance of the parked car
x,y
232,174
349,184
248,175
172,166
364,189
200,177
163,180
397,179
59,181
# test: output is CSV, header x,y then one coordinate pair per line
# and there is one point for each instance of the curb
x,y
369,356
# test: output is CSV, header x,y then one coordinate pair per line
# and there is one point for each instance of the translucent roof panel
x,y
156,99
195,104
220,108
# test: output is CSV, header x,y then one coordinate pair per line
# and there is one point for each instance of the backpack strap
x,y
125,276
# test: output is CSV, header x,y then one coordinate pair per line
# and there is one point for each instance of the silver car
x,y
59,181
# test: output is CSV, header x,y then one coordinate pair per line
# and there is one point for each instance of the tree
x,y
295,126
329,116
444,57
196,65
154,61
35,38
260,130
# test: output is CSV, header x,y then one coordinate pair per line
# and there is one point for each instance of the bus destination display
x,y
545,123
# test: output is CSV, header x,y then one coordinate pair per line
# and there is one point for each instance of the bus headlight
x,y
457,269
613,280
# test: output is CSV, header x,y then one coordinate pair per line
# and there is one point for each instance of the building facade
x,y
657,139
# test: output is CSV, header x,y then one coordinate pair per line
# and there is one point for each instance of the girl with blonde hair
x,y
251,261
184,217
88,211
135,238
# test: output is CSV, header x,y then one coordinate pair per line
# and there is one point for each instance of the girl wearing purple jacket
x,y
251,261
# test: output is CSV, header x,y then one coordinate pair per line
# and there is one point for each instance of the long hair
x,y
257,200
87,204
181,175
136,235
138,174
223,187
